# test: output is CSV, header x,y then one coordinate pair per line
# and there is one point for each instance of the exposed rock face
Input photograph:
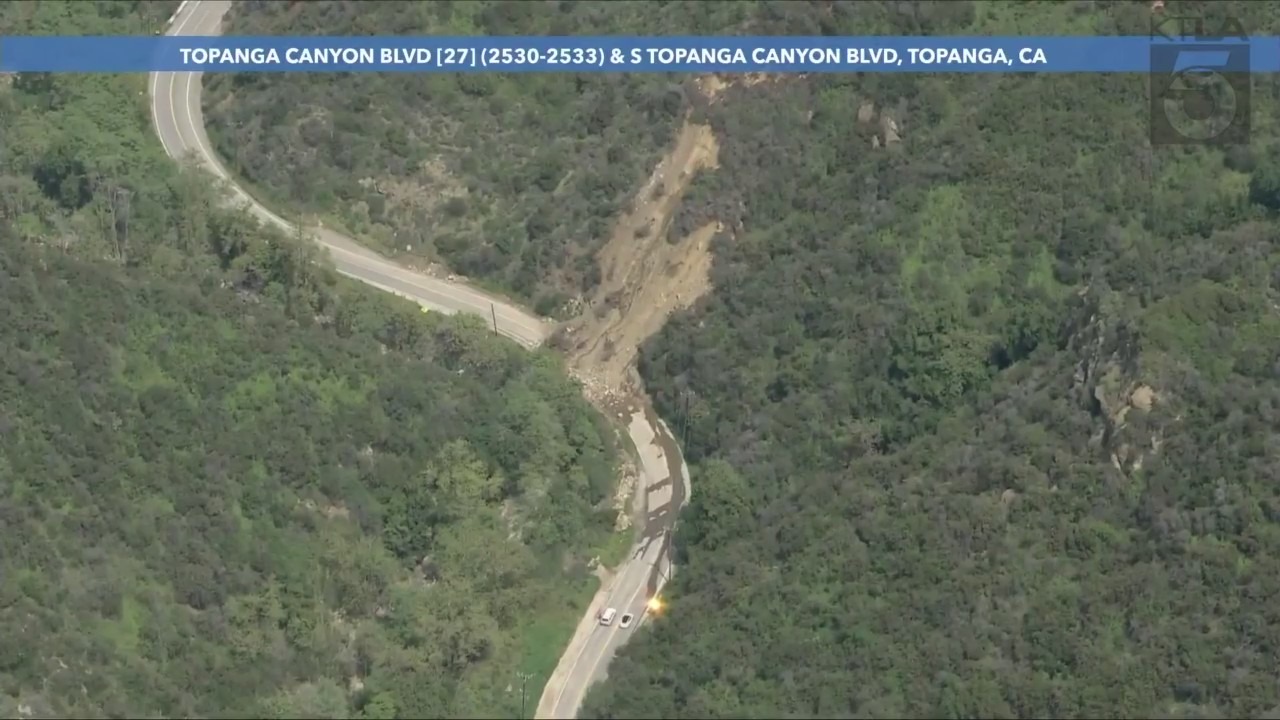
x,y
1109,379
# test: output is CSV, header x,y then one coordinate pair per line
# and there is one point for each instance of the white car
x,y
625,622
606,617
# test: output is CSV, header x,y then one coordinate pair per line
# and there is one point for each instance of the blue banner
x,y
1129,54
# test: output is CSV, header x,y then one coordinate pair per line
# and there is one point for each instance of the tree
x,y
323,699
1264,183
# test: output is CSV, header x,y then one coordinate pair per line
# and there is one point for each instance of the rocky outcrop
x,y
1110,380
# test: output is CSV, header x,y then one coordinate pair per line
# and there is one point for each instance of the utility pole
x,y
493,309
684,434
524,679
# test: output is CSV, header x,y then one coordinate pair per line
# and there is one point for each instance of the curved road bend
x,y
179,122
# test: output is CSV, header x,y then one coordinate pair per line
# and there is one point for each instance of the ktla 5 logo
x,y
1200,82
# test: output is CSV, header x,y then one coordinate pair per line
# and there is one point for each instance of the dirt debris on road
x,y
645,279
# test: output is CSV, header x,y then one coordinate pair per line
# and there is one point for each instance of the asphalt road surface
x,y
179,121
588,663
586,660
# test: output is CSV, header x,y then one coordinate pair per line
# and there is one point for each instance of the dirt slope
x,y
645,277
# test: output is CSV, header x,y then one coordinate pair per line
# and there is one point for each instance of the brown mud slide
x,y
645,277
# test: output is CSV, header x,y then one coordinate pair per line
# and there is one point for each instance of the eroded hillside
x,y
513,180
646,275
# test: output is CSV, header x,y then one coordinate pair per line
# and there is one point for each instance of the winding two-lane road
x,y
179,121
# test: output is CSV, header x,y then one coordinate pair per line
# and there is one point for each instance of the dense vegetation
x,y
233,485
208,507
984,420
